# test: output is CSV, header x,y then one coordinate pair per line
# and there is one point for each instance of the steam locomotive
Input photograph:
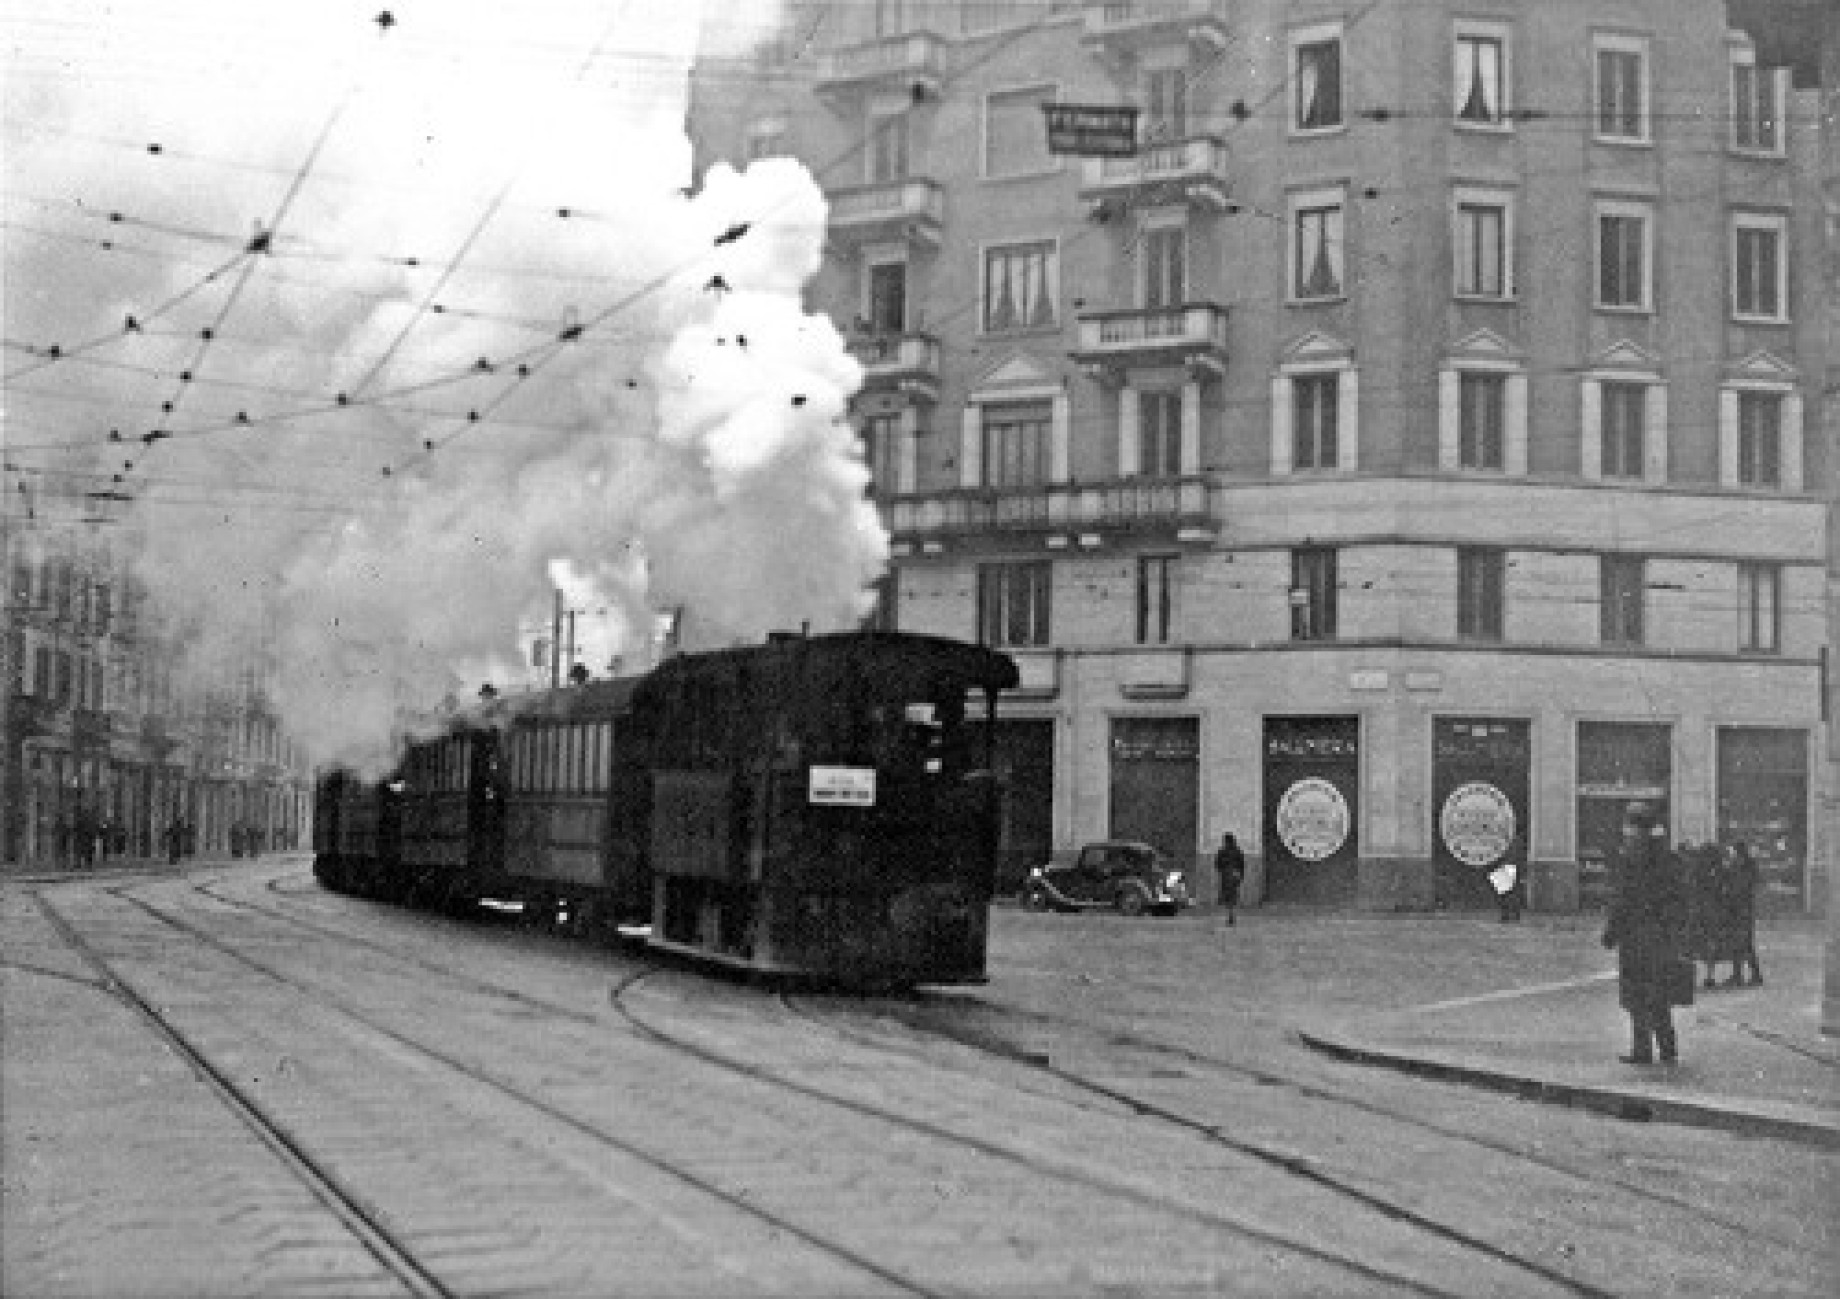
x,y
819,806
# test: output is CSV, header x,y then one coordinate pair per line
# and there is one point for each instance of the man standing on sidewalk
x,y
1230,867
1647,927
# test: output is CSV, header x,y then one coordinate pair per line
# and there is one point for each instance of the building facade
x,y
1405,457
106,752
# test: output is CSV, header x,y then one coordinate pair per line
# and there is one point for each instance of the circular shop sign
x,y
1477,823
1313,819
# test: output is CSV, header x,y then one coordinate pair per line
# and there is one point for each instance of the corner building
x,y
1402,460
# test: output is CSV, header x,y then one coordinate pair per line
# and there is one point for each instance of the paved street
x,y
1307,1102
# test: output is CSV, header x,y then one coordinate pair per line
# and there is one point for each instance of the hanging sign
x,y
1091,130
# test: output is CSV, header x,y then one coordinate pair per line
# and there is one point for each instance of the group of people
x,y
1722,910
1671,910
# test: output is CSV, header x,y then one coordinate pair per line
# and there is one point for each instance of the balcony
x,y
1191,171
1193,335
914,64
1115,28
904,363
910,211
1062,515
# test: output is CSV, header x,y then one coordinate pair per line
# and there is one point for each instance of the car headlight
x,y
1034,872
1174,882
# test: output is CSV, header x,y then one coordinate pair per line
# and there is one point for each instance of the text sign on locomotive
x,y
842,786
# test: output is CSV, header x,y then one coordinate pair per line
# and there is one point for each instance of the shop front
x,y
1312,783
1156,784
1618,763
1763,802
1480,775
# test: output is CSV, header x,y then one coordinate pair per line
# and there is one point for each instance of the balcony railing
x,y
907,362
1080,511
1128,23
916,59
911,210
1192,170
1194,334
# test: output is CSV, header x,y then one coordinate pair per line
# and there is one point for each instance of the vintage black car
x,y
1131,877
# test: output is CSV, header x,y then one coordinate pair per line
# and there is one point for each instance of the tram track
x,y
916,1017
1027,1163
1185,1059
350,1210
1289,1163
397,1255
1034,1165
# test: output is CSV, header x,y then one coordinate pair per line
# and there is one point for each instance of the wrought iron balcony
x,y
911,211
1116,27
1192,335
1192,171
903,363
914,62
1064,515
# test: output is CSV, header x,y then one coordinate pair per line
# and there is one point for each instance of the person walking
x,y
1741,877
1230,867
1647,927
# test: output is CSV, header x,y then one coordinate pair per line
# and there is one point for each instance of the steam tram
x,y
818,805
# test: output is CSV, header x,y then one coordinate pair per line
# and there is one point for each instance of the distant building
x,y
104,749
1404,459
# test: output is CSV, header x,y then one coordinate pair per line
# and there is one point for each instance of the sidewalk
x,y
1752,1060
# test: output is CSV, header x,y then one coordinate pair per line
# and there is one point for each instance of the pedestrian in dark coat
x,y
1706,924
1230,866
1647,927
1741,876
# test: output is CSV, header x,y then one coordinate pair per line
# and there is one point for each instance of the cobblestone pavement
x,y
527,1115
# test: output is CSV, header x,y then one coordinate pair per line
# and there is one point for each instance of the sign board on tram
x,y
842,786
1091,130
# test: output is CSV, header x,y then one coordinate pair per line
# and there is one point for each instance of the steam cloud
x,y
488,344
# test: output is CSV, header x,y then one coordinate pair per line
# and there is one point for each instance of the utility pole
x,y
555,644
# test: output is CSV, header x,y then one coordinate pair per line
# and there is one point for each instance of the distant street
x,y
300,1093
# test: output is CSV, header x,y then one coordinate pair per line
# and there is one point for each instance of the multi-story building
x,y
105,751
1403,459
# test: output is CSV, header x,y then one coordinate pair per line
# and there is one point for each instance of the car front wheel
x,y
1132,901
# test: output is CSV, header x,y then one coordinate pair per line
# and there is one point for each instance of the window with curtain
x,y
1162,251
1312,593
1159,429
1481,578
888,297
1317,75
888,148
1760,439
881,451
1622,113
1760,608
1021,287
1482,248
1013,603
1624,429
1756,116
1318,252
1622,259
1481,416
1015,443
1479,80
1015,134
1314,419
1757,268
1166,114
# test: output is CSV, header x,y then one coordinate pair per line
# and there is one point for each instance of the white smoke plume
x,y
468,335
